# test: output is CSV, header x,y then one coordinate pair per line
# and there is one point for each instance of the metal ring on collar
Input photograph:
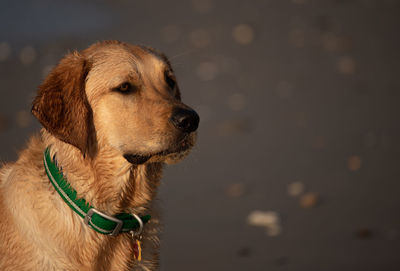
x,y
139,231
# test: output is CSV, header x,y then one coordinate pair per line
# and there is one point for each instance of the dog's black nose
x,y
185,120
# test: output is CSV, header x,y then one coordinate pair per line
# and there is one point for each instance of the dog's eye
x,y
170,81
124,88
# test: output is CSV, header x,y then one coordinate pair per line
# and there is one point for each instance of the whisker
x,y
181,54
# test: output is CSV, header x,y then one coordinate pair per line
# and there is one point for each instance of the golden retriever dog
x,y
112,116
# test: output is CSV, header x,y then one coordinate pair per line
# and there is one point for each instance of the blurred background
x,y
297,163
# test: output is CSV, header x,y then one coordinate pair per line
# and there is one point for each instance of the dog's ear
x,y
62,107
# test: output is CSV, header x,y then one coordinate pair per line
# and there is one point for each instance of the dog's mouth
x,y
139,159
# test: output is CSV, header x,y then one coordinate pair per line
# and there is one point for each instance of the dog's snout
x,y
185,120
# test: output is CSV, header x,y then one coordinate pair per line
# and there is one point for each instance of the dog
x,y
112,116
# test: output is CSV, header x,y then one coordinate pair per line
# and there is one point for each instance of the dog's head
x,y
121,95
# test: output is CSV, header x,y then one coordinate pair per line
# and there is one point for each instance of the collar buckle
x,y
118,226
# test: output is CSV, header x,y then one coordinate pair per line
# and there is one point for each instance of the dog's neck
x,y
108,181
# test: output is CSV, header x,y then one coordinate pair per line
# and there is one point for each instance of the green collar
x,y
99,221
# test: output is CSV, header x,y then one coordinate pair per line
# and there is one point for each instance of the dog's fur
x,y
111,145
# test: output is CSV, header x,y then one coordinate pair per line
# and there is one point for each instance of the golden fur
x,y
90,125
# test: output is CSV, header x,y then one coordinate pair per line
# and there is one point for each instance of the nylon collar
x,y
97,220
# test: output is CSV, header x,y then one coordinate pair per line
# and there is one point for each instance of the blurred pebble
x,y
243,34
231,127
297,38
207,71
354,163
203,6
200,38
237,102
263,218
270,220
244,252
46,70
346,65
370,139
295,189
5,51
329,42
23,118
284,89
319,142
363,233
170,33
235,190
27,55
309,200
203,111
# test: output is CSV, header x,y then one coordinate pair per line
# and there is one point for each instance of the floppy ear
x,y
62,107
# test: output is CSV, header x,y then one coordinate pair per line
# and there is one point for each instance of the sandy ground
x,y
297,164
